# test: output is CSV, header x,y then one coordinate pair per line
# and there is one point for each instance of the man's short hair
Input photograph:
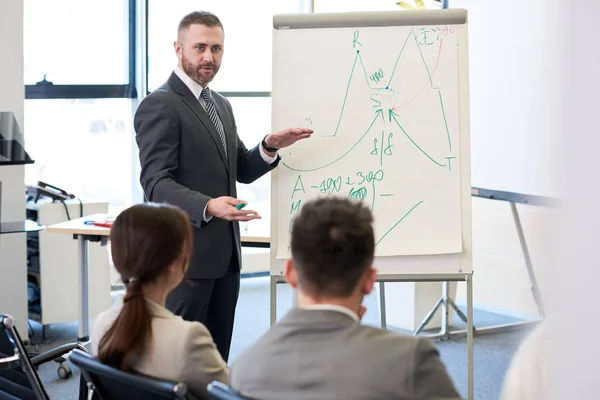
x,y
198,17
332,244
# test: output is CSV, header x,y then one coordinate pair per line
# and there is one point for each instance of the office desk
x,y
84,234
90,233
256,242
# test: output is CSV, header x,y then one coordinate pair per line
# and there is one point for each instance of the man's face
x,y
200,51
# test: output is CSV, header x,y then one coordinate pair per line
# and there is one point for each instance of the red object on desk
x,y
105,224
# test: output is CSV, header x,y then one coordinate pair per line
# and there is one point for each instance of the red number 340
x,y
446,30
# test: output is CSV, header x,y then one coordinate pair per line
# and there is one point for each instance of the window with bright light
x,y
76,42
78,123
248,27
323,6
82,146
253,119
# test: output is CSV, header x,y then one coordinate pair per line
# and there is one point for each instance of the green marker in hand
x,y
240,206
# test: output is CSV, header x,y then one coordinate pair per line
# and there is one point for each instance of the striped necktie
x,y
214,117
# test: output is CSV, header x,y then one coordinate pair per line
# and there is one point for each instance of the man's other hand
x,y
224,207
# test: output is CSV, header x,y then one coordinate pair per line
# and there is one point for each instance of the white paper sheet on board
x,y
383,103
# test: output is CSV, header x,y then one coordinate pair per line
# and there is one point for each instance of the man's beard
x,y
195,71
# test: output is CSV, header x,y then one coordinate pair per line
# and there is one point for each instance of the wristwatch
x,y
267,148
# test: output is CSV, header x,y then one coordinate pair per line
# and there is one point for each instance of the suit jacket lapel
x,y
230,139
193,103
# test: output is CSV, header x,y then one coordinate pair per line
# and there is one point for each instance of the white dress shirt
x,y
333,307
196,90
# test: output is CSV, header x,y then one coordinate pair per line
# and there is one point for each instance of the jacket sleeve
x,y
158,130
250,163
203,362
431,380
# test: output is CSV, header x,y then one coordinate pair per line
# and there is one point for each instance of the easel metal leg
x,y
460,314
532,280
429,316
447,304
382,305
470,330
534,286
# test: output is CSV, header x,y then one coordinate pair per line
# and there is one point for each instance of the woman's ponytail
x,y
130,331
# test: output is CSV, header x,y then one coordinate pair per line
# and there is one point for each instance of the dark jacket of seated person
x,y
151,245
319,350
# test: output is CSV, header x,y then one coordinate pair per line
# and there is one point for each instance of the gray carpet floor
x,y
492,352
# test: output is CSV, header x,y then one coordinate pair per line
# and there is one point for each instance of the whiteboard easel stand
x,y
289,29
382,279
445,302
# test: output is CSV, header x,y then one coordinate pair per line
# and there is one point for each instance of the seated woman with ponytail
x,y
151,245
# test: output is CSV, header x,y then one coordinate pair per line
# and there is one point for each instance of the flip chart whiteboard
x,y
387,97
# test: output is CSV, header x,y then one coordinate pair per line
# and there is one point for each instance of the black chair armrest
x,y
55,353
220,391
91,367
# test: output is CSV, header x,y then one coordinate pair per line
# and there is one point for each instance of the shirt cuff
x,y
268,159
204,217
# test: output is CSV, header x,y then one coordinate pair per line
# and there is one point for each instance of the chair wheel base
x,y
64,372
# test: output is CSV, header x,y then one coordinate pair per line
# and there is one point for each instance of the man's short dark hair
x,y
199,17
332,244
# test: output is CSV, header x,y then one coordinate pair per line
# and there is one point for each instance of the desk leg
x,y
83,289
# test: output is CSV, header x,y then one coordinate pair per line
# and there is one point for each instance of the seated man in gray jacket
x,y
319,350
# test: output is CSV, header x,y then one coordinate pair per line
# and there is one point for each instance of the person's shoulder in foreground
x,y
303,357
320,349
534,366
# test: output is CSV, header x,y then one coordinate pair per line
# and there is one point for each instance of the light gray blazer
x,y
325,354
180,351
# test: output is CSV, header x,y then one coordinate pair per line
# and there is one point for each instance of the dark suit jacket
x,y
183,163
325,354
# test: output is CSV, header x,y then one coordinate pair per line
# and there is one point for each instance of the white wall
x,y
562,361
12,93
514,84
515,107
13,259
579,273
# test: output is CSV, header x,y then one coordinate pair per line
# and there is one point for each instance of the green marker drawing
x,y
240,206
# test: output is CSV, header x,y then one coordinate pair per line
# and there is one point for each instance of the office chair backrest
x,y
220,391
18,378
109,383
